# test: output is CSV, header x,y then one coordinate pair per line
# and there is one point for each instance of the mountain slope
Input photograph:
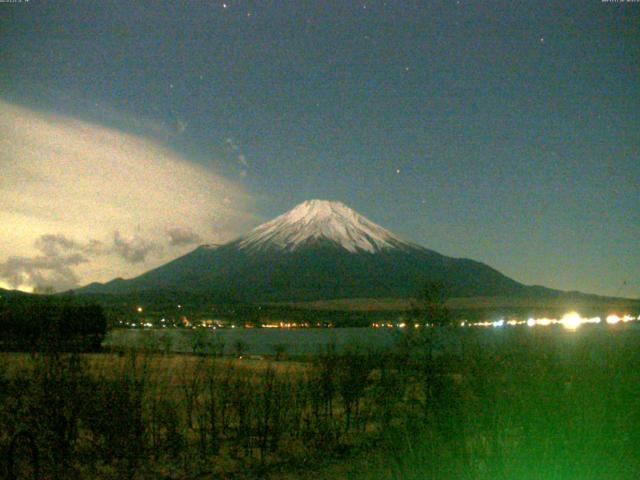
x,y
318,250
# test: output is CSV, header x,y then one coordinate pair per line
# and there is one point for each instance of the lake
x,y
309,341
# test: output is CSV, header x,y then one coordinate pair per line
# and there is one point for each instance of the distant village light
x,y
571,321
613,319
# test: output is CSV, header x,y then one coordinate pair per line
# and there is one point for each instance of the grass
x,y
540,404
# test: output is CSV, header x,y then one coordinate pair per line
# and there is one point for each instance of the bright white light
x,y
531,322
627,318
498,323
613,319
544,322
571,321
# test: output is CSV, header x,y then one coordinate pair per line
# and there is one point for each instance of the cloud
x,y
133,249
234,150
69,185
51,267
52,245
181,126
182,236
42,270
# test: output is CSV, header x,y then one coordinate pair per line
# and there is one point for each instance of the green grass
x,y
536,408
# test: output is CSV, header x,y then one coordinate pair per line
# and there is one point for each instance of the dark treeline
x,y
32,323
174,306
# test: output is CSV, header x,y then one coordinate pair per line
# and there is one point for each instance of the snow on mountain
x,y
318,250
318,220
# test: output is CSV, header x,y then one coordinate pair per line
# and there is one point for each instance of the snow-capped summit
x,y
318,250
320,220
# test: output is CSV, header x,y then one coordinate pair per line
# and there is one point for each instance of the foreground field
x,y
541,404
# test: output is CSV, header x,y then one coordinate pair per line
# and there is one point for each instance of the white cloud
x,y
103,194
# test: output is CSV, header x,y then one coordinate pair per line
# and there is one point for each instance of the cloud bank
x,y
80,202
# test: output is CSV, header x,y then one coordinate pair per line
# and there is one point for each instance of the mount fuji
x,y
318,250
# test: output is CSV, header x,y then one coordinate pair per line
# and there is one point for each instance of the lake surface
x,y
309,341
256,341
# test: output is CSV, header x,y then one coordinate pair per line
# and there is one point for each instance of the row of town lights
x,y
570,321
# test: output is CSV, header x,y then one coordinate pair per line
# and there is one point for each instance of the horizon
x,y
246,235
501,133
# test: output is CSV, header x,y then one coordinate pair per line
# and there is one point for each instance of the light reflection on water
x,y
309,341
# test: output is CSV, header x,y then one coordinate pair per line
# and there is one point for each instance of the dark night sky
x,y
507,132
